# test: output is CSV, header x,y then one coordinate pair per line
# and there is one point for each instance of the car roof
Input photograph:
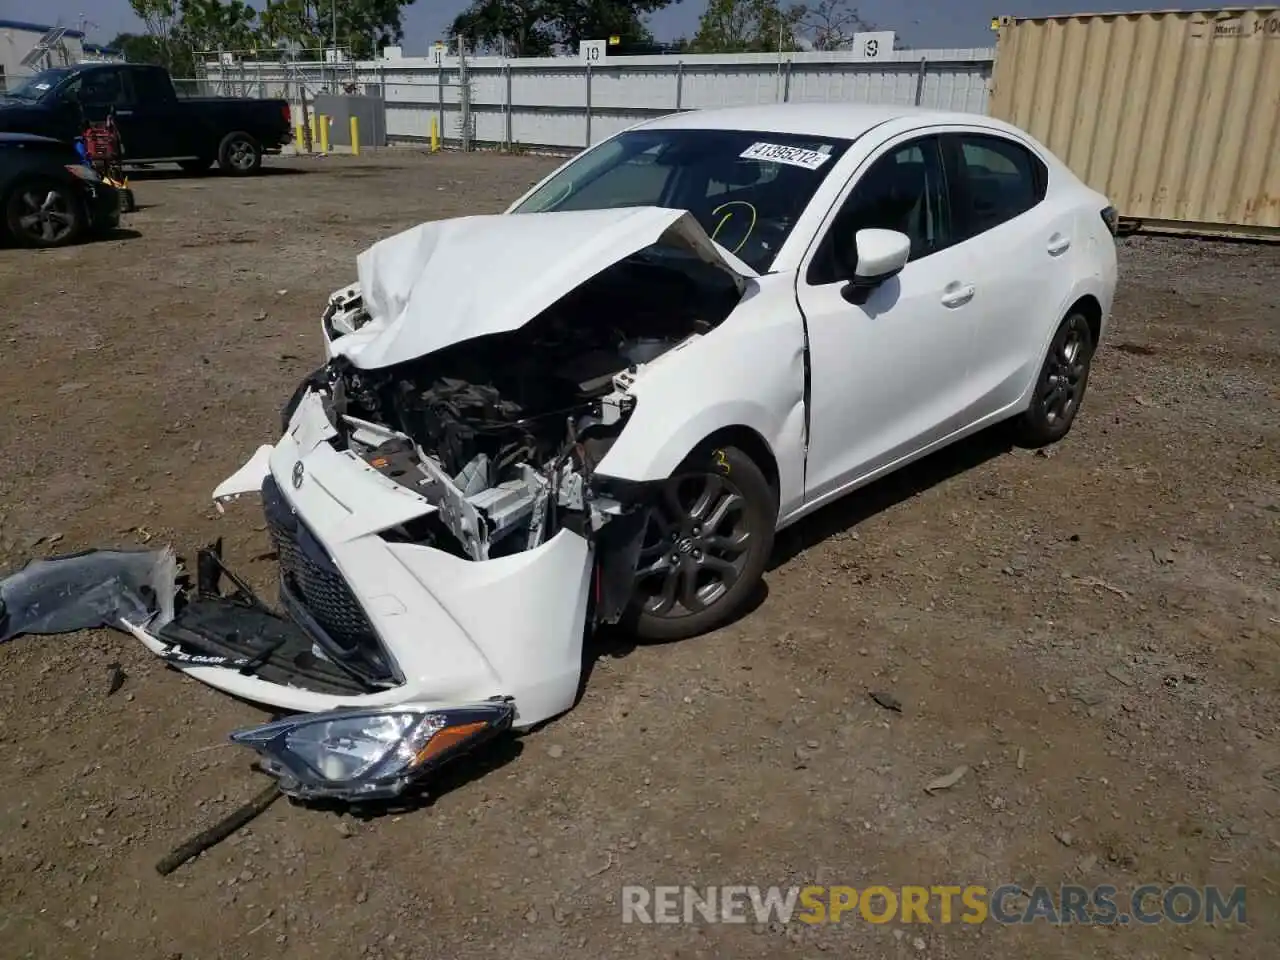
x,y
846,121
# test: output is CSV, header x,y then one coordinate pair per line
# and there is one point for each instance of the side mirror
x,y
881,254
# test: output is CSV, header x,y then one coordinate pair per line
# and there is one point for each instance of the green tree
x,y
534,28
217,25
747,26
363,26
160,17
831,24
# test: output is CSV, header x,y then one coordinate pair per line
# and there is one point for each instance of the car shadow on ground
x,y
88,239
849,511
120,233
177,173
614,642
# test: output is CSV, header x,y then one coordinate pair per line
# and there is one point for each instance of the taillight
x,y
1111,217
288,116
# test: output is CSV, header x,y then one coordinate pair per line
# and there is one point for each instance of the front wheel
x,y
239,154
705,548
44,213
1060,387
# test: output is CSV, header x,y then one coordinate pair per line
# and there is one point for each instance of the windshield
x,y
33,88
746,188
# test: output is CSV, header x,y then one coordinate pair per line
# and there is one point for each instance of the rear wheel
x,y
239,154
706,546
196,166
1060,386
44,213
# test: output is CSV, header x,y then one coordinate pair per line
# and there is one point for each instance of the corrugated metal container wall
x,y
1175,116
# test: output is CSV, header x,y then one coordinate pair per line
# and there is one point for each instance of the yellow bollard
x,y
355,136
324,133
435,134
298,136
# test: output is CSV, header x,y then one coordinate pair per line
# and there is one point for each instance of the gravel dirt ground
x,y
1092,631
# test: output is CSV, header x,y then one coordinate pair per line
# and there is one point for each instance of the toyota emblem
x,y
298,471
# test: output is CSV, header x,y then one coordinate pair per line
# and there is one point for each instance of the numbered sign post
x,y
593,51
874,45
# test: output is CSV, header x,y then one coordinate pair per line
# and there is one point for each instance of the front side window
x,y
746,188
99,88
903,190
995,180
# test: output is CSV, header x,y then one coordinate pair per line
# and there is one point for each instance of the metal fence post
x,y
588,103
440,92
464,95
506,106
924,66
680,85
786,84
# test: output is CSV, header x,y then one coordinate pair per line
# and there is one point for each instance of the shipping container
x,y
1174,115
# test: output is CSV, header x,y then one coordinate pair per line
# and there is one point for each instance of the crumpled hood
x,y
444,282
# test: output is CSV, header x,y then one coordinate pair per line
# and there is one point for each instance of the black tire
x,y
681,588
196,166
1060,385
239,154
44,213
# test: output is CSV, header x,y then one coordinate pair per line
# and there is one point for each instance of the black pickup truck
x,y
155,124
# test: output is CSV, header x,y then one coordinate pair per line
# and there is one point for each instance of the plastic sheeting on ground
x,y
94,588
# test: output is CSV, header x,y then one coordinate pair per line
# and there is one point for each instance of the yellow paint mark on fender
x,y
721,462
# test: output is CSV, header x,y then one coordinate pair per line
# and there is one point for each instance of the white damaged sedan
x,y
600,406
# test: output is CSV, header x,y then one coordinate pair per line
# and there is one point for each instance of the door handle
x,y
124,113
1058,245
957,294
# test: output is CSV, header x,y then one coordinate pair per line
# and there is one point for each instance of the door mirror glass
x,y
881,255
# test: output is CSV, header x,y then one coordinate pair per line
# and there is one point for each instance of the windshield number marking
x,y
781,153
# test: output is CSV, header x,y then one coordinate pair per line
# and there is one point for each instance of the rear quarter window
x,y
996,180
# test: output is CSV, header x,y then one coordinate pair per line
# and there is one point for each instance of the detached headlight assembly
x,y
369,754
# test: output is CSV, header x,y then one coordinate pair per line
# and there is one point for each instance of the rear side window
x,y
151,86
993,180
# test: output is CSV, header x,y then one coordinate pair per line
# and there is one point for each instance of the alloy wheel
x,y
46,215
1065,371
241,154
695,546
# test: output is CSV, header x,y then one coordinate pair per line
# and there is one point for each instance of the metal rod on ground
x,y
205,839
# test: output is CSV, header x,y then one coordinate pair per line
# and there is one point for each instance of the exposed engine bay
x,y
502,433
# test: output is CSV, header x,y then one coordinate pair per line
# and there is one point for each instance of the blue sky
x,y
919,23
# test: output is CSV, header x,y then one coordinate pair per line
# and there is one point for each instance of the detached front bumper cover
x,y
378,754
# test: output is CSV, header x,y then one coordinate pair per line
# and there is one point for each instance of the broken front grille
x,y
310,576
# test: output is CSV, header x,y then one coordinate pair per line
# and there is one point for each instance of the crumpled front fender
x,y
248,479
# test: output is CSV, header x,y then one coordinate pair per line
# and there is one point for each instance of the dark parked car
x,y
156,125
48,196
